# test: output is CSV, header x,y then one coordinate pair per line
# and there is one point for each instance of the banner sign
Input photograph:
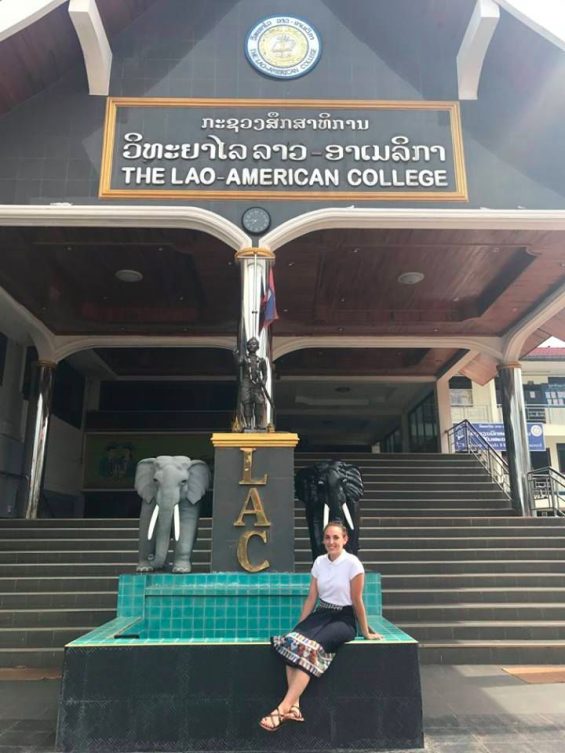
x,y
282,149
494,434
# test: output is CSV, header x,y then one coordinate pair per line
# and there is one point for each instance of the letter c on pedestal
x,y
243,556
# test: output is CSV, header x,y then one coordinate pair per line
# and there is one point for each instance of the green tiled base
x,y
217,608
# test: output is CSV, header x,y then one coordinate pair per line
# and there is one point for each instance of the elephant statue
x,y
171,488
330,490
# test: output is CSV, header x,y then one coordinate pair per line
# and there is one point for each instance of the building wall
x,y
372,49
485,408
63,463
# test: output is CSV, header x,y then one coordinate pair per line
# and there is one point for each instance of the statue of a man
x,y
252,390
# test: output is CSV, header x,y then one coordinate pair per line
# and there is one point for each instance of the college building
x,y
393,172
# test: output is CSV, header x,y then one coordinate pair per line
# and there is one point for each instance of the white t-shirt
x,y
334,578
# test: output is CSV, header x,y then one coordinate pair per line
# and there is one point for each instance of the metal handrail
x,y
463,437
547,488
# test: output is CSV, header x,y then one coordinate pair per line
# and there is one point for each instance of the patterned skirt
x,y
312,644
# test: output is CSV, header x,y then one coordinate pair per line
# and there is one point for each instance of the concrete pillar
x,y
516,432
255,265
443,404
35,442
405,431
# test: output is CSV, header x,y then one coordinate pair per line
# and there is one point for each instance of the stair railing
x,y
547,488
463,437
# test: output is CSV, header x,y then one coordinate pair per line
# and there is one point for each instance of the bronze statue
x,y
253,395
330,490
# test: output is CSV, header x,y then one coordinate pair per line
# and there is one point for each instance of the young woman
x,y
337,581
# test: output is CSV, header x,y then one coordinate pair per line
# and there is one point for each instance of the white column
x,y
443,404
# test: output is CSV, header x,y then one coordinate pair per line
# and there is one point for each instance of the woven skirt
x,y
311,645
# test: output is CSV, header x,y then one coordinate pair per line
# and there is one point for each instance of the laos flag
x,y
268,304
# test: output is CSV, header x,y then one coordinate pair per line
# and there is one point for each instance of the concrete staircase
x,y
461,573
473,582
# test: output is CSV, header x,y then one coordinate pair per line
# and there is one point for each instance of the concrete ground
x,y
467,709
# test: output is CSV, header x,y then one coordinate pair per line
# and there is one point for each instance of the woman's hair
x,y
335,524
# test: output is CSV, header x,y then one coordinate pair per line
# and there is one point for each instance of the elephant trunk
x,y
162,534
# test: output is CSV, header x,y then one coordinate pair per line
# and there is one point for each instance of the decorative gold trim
x,y
509,365
249,253
106,190
255,439
458,152
108,147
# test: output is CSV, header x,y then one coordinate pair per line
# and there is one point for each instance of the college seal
x,y
283,47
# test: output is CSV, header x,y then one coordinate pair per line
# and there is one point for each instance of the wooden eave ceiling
x,y
336,362
475,282
342,282
36,57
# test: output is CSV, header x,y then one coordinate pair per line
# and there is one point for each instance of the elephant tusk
x,y
176,519
348,516
326,515
153,522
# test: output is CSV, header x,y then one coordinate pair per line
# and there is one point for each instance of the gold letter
x,y
243,557
255,509
247,463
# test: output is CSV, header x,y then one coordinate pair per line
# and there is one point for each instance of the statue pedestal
x,y
186,665
253,513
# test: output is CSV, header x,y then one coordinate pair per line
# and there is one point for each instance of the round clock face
x,y
256,220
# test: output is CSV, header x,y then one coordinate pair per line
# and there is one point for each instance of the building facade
x,y
396,167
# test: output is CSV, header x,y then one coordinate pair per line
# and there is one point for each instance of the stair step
x,y
492,652
542,611
471,521
460,542
468,567
459,580
125,557
454,531
200,560
448,555
79,523
41,637
483,630
60,599
451,495
28,618
481,595
31,657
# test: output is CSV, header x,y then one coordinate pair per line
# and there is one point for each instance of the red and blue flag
x,y
268,303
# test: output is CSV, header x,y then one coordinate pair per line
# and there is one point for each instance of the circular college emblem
x,y
283,46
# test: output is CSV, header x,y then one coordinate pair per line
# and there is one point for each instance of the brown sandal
x,y
294,714
276,721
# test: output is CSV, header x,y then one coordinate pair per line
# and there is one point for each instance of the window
x,y
422,424
461,392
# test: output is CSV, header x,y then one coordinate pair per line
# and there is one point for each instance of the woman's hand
x,y
370,636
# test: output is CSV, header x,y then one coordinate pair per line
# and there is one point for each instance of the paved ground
x,y
467,709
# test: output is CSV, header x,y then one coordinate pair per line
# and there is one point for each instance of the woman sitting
x,y
337,581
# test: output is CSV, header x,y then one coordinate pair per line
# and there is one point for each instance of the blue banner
x,y
494,435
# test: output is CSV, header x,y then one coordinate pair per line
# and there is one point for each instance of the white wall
x,y
485,409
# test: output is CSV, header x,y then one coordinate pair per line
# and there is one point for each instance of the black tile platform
x,y
211,697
